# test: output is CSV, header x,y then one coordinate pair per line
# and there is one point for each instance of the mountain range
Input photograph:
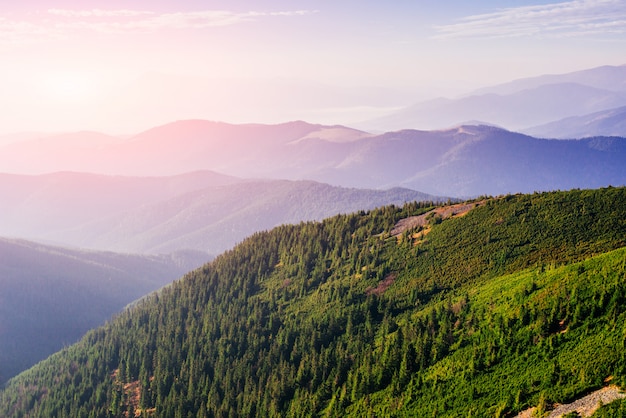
x,y
518,105
63,292
72,199
216,218
463,161
610,122
200,211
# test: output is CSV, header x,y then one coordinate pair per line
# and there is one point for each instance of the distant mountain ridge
x,y
475,160
518,105
610,122
200,211
607,77
515,111
191,145
463,161
33,206
216,218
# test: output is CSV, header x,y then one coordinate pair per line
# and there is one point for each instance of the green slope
x,y
518,301
540,333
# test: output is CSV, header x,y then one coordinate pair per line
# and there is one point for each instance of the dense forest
x,y
520,302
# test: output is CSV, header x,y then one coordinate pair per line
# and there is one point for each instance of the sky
x,y
121,67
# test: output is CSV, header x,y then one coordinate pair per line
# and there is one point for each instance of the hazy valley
x,y
51,296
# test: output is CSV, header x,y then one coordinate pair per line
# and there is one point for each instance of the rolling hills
x,y
517,303
50,296
42,206
199,211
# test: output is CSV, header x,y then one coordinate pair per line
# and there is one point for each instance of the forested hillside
x,y
520,302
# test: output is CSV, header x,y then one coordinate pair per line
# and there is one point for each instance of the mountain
x,y
216,218
201,211
38,207
50,296
244,99
170,149
519,104
475,160
484,308
606,123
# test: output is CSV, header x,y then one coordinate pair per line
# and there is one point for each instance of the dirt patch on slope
x,y
584,406
443,212
382,286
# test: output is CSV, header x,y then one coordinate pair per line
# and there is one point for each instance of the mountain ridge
x,y
606,77
202,211
610,122
534,106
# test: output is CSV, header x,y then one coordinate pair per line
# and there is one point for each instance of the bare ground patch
x,y
444,212
584,406
382,285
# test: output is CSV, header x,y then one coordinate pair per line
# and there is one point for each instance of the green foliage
x,y
615,409
507,307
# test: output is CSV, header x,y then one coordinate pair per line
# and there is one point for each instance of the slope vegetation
x,y
518,303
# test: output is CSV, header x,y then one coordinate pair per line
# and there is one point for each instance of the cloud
x,y
14,32
121,21
97,13
566,19
61,23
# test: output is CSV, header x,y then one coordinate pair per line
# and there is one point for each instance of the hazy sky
x,y
124,66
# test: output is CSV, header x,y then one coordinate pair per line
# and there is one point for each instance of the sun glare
x,y
68,87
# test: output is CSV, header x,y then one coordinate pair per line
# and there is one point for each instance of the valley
x,y
51,296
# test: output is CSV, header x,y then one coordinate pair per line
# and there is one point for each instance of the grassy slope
x,y
554,333
286,324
